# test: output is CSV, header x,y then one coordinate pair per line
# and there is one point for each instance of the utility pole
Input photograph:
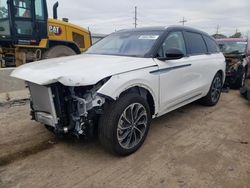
x,y
135,17
217,29
183,21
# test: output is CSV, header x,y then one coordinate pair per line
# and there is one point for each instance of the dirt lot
x,y
194,146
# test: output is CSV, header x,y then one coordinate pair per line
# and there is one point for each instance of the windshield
x,y
232,47
135,44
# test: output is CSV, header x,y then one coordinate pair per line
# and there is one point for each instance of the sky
x,y
107,16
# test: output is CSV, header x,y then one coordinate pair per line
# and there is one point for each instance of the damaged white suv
x,y
123,81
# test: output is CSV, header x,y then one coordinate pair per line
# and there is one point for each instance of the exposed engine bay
x,y
234,62
72,110
236,65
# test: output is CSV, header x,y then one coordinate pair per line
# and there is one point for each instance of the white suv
x,y
123,81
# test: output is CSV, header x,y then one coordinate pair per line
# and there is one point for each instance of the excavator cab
x,y
28,35
22,22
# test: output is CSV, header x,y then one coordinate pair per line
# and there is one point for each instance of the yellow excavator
x,y
27,34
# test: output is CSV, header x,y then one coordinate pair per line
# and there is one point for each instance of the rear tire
x,y
58,51
124,125
214,93
240,80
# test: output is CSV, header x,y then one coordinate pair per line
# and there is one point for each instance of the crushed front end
x,y
235,66
68,110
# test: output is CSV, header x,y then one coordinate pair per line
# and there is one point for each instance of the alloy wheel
x,y
216,89
132,125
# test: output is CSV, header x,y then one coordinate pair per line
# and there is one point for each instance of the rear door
x,y
202,65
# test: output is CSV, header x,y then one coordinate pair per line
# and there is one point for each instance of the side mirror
x,y
171,54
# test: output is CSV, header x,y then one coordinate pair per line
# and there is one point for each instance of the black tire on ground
x,y
58,51
240,80
114,137
50,128
214,93
243,93
243,90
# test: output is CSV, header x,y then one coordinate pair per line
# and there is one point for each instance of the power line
x,y
183,21
135,23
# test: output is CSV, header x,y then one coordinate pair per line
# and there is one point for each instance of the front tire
x,y
50,128
214,93
124,125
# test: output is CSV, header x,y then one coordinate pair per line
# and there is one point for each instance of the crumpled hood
x,y
79,70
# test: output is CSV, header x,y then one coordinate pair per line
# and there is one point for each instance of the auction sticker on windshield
x,y
149,37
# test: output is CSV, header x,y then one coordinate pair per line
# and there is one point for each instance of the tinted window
x,y
23,8
24,27
39,9
3,9
211,45
195,43
174,40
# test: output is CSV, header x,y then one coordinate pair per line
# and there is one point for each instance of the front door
x,y
178,78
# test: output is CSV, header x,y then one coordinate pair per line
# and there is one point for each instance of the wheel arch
x,y
71,45
143,92
223,76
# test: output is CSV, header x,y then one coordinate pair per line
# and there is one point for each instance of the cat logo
x,y
55,29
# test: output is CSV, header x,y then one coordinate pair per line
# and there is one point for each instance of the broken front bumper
x,y
67,109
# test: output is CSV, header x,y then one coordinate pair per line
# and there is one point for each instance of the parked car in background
x,y
237,54
123,81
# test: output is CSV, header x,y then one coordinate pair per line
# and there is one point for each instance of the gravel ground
x,y
194,146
